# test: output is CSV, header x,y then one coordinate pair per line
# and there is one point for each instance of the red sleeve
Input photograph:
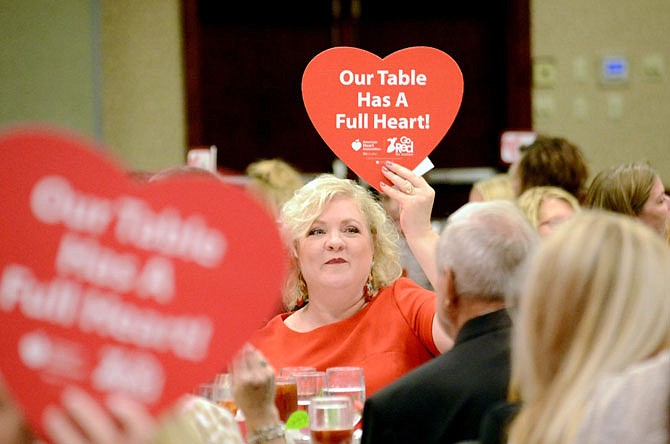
x,y
417,306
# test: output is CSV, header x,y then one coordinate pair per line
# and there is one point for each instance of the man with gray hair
x,y
480,255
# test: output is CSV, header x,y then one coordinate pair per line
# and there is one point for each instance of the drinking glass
x,y
286,396
222,392
290,371
205,390
310,384
347,381
331,420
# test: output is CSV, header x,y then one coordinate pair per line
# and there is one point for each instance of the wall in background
x,y
613,123
113,70
48,64
108,69
143,82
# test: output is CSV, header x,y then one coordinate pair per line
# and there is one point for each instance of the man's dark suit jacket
x,y
444,400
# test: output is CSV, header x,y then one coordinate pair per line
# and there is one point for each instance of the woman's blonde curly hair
x,y
299,213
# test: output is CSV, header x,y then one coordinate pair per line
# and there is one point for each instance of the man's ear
x,y
452,295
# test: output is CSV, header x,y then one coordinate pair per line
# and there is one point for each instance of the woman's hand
x,y
82,420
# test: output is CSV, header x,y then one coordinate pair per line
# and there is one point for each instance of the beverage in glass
x,y
286,396
331,420
222,392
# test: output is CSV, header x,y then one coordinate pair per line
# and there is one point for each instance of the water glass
x,y
290,371
222,392
347,381
310,384
205,390
331,420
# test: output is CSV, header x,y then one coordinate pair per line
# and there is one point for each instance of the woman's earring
x,y
303,297
368,291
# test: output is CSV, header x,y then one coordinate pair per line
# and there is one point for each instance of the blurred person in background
x,y
547,207
551,161
594,307
273,182
495,187
634,189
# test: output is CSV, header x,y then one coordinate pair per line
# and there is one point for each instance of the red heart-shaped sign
x,y
369,110
116,286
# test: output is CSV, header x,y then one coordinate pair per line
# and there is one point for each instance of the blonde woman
x,y
273,182
495,187
348,303
547,207
595,304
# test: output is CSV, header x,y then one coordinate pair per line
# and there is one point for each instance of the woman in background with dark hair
x,y
551,161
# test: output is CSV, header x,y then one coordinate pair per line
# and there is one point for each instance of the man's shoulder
x,y
421,379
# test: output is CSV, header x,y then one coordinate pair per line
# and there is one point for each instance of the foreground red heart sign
x,y
368,109
116,286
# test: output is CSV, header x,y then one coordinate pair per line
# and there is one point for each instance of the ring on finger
x,y
409,189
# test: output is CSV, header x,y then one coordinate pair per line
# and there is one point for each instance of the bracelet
x,y
265,434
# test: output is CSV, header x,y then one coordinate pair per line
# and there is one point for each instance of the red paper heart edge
x,y
252,270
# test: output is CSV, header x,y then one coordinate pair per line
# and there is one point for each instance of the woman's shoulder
x,y
406,287
652,373
629,406
658,364
408,297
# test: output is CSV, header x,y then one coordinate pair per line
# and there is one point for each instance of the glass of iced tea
x,y
331,420
286,396
222,392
